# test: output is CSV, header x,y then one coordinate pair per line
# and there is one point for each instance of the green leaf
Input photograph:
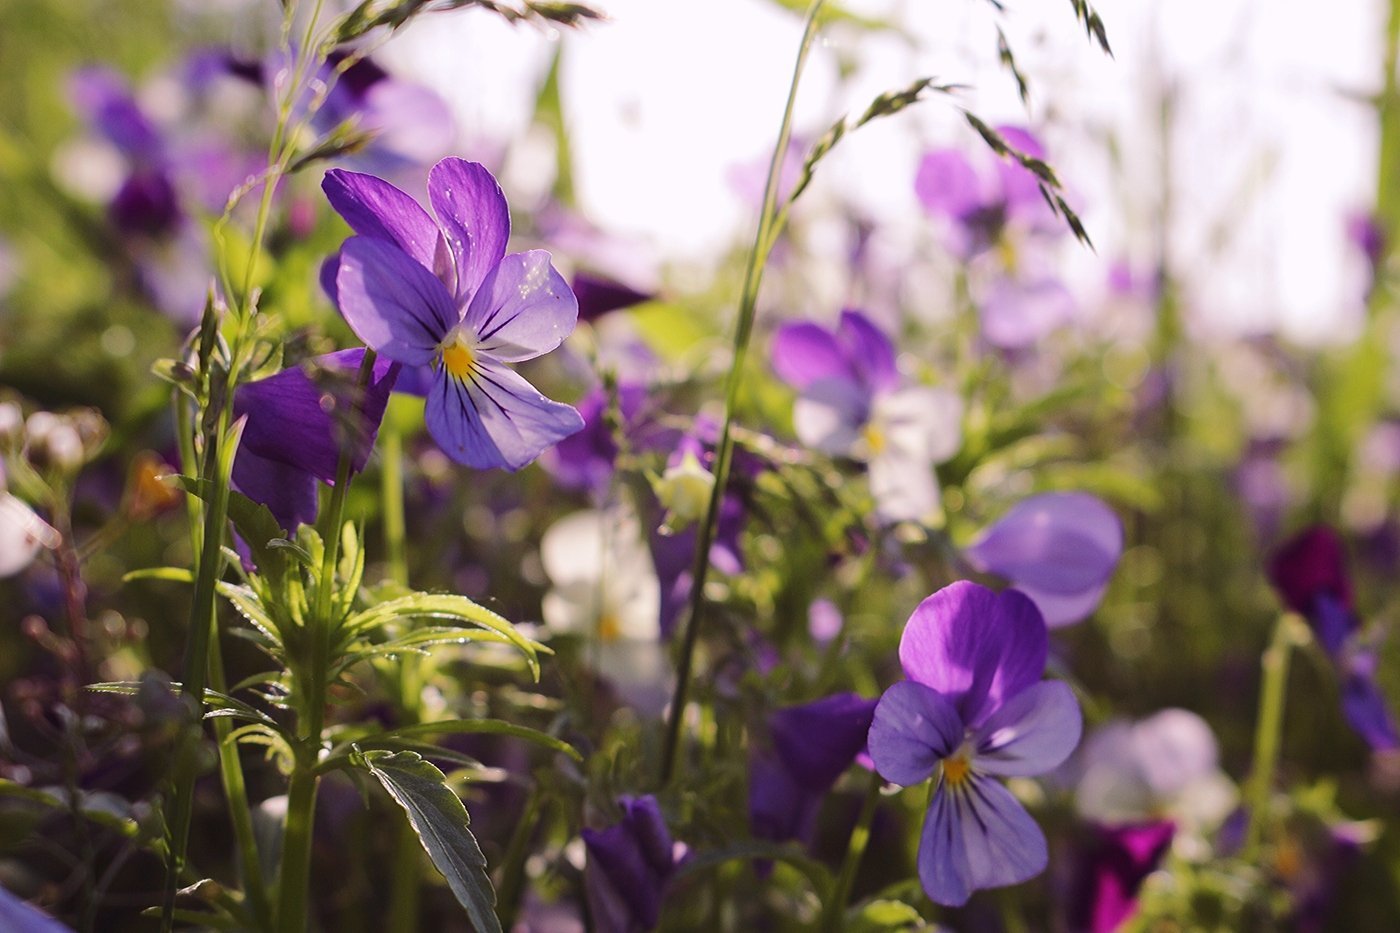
x,y
816,872
488,726
440,820
252,519
446,606
172,574
883,916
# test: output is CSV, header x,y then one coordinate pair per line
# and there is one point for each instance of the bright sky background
x,y
1272,142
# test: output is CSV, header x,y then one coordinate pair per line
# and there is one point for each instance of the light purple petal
x,y
376,209
1367,711
869,350
18,916
1032,733
947,185
494,418
805,353
1060,610
289,492
472,210
1018,313
523,308
975,647
913,730
409,120
976,837
830,415
1064,543
393,304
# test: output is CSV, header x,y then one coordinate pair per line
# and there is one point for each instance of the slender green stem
x,y
1268,731
295,874
835,909
748,302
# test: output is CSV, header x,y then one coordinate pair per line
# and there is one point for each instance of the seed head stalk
x,y
768,228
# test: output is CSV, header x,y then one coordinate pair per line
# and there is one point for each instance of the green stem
x,y
512,875
1268,731
835,909
753,277
295,874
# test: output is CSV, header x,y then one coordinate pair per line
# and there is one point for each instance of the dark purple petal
x,y
629,865
977,836
1119,860
975,647
805,353
103,98
1365,706
472,210
494,418
289,492
914,728
17,916
597,295
1033,732
376,209
146,204
392,303
1332,623
869,350
779,807
1308,565
948,186
523,309
304,415
817,741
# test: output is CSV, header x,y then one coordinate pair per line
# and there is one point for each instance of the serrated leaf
x,y
253,521
445,606
478,726
441,823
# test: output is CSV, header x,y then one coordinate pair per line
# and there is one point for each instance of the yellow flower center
x,y
874,439
609,628
458,356
956,769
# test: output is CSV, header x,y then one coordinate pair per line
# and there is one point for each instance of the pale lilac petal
x,y
805,353
921,422
409,120
830,416
1064,543
1174,749
393,304
376,209
869,349
22,535
977,836
1059,609
523,308
947,184
914,729
903,487
1016,314
494,418
974,646
1032,733
472,210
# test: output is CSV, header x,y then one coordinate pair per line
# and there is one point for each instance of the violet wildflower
x,y
298,420
812,745
18,916
1059,548
974,708
443,292
853,403
629,867
1112,871
1309,571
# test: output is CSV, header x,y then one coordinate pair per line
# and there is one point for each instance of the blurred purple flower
x,y
411,123
597,295
1113,869
17,916
1059,548
298,421
1309,571
853,403
629,867
973,708
444,292
586,460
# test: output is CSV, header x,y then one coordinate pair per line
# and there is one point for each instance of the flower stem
x,y
724,450
1268,730
835,909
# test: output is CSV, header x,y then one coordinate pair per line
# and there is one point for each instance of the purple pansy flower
x,y
1309,571
298,421
1059,548
1116,864
812,745
444,293
629,866
974,708
18,916
853,403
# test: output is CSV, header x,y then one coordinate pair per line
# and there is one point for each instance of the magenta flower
x,y
443,293
1113,869
973,709
1059,548
1309,571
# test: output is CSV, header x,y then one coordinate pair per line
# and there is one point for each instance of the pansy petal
x,y
819,740
472,210
869,349
914,728
523,308
494,418
805,353
1367,711
391,302
947,184
975,837
1060,542
22,535
974,646
903,487
289,492
830,416
376,209
1032,733
1059,609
